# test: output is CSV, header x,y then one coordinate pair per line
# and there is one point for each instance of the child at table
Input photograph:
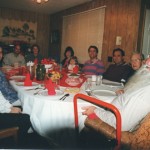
x,y
73,65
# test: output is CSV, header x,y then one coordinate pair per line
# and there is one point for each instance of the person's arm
x,y
5,106
88,110
8,92
128,71
101,68
6,60
15,110
120,91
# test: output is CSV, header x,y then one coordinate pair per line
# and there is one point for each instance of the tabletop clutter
x,y
52,76
49,74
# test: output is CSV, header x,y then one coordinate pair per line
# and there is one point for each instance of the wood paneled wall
x,y
121,19
43,25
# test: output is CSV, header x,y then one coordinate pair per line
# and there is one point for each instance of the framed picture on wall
x,y
55,37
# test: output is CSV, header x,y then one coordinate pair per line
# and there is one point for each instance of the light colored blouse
x,y
5,106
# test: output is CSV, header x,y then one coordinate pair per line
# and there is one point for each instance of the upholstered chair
x,y
139,139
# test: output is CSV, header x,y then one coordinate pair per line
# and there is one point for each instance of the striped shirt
x,y
96,68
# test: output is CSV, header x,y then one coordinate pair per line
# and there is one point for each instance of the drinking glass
x,y
99,80
88,85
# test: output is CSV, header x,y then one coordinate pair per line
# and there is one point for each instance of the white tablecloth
x,y
51,117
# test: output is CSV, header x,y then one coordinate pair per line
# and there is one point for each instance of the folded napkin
x,y
51,87
75,69
27,81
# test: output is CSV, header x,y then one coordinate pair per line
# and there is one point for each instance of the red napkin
x,y
28,81
75,69
51,87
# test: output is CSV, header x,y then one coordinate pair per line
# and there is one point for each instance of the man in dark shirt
x,y
119,71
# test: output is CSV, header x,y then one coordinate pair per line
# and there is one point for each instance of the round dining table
x,y
54,118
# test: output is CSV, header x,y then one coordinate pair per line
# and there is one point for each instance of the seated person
x,y
136,60
14,57
73,64
136,63
7,90
133,104
35,55
94,66
11,117
1,56
119,71
69,52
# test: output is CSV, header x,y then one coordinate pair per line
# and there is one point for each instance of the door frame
x,y
144,5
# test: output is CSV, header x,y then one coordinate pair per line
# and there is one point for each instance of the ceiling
x,y
50,7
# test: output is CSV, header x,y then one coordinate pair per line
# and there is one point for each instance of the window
x,y
82,30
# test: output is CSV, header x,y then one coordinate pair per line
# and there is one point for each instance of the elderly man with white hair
x,y
133,104
137,60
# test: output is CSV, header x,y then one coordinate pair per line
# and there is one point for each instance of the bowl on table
x,y
73,75
73,81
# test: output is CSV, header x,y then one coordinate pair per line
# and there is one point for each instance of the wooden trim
x,y
4,133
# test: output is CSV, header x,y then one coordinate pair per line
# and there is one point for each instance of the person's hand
x,y
15,110
88,110
118,92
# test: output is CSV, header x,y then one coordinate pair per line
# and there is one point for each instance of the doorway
x,y
146,37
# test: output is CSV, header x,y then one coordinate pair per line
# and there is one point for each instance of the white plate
x,y
45,93
103,93
73,81
17,77
22,84
111,83
73,76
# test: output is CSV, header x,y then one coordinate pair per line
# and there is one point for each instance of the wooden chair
x,y
139,139
8,132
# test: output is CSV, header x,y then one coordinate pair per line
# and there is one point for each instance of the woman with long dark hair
x,y
69,52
